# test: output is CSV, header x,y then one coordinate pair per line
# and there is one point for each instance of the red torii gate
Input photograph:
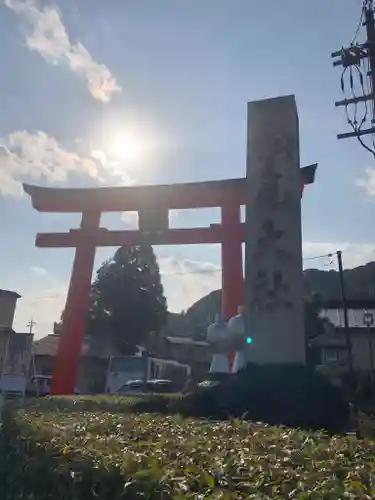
x,y
229,195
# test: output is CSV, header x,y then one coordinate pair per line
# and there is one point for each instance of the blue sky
x,y
171,78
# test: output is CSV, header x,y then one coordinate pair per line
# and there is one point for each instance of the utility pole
x,y
345,312
370,31
31,325
353,58
368,321
352,383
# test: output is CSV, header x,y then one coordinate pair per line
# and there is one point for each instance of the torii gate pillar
x,y
77,303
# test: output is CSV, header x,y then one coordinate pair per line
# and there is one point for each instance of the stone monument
x,y
273,241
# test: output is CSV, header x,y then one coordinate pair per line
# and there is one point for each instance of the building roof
x,y
47,346
355,317
9,292
329,339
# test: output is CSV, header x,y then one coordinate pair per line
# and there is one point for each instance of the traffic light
x,y
249,340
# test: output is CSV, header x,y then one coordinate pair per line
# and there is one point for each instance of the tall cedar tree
x,y
315,325
127,299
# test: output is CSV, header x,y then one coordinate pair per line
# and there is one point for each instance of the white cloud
x,y
38,271
131,218
367,182
25,156
116,168
353,254
44,306
186,281
28,157
9,185
47,35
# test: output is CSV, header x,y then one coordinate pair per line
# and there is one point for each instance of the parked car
x,y
133,387
143,387
161,386
41,385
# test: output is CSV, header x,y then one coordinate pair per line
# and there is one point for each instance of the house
x,y
15,348
93,366
332,346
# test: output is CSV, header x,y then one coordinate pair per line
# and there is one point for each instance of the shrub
x,y
288,395
137,403
158,403
97,455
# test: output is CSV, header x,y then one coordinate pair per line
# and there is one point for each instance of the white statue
x,y
217,337
237,332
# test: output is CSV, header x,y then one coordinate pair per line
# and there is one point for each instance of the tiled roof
x,y
47,346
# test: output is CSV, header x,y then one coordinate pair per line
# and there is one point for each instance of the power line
x,y
318,256
359,23
187,273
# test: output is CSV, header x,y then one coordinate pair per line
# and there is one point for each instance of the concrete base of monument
x,y
218,377
289,395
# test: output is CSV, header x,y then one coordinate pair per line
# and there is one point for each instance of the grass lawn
x,y
97,448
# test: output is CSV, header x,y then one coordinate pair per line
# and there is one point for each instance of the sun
x,y
126,148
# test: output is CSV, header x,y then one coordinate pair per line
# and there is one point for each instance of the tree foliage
x,y
127,299
315,324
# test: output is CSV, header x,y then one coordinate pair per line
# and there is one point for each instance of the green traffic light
x,y
249,340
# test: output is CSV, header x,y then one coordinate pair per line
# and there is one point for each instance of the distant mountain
x,y
359,286
359,283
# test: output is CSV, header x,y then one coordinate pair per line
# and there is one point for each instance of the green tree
x,y
128,306
315,325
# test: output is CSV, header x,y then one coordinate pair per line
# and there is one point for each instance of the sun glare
x,y
126,148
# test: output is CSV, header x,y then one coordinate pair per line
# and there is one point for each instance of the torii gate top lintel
x,y
132,198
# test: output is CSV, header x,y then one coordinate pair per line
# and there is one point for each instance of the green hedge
x,y
57,449
290,395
